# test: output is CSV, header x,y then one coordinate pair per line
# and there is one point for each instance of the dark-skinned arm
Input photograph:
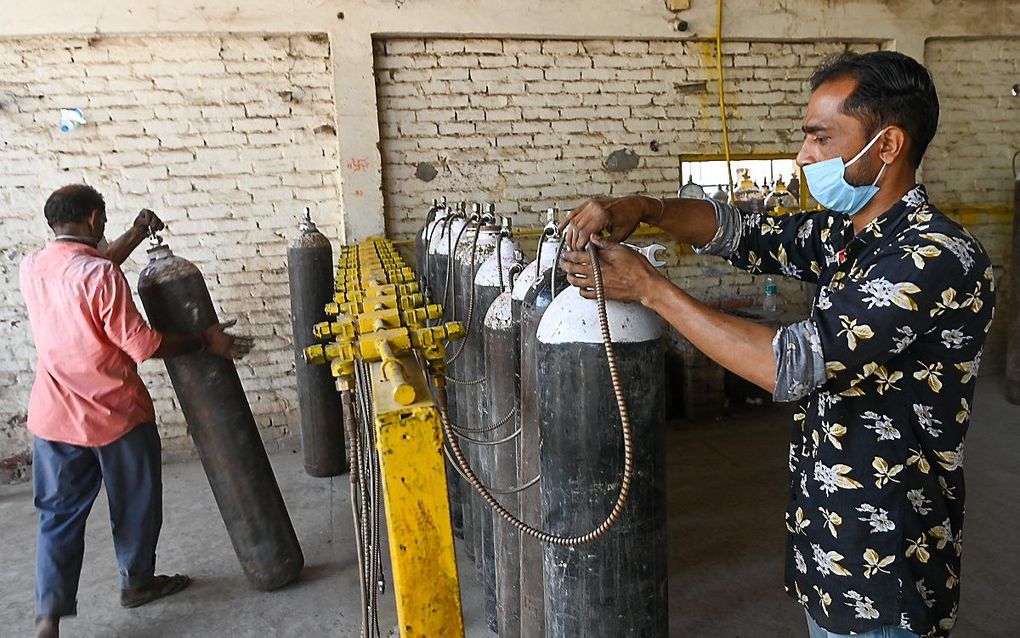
x,y
213,340
689,221
739,345
119,249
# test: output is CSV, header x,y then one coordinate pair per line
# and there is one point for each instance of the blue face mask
x,y
829,187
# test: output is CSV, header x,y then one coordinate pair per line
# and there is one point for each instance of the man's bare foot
x,y
47,627
158,587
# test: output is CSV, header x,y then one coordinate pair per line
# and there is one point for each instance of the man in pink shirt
x,y
91,416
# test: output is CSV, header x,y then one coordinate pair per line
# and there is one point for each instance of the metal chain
x,y
628,442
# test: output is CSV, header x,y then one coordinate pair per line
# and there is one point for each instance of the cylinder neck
x,y
157,249
307,225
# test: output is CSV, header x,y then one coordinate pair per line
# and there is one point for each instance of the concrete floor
x,y
726,532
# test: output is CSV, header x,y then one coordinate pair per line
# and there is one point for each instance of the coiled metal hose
x,y
628,443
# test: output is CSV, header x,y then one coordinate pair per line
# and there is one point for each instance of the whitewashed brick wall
x,y
968,162
529,124
227,137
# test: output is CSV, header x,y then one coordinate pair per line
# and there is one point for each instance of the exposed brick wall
x,y
979,127
529,124
227,137
967,167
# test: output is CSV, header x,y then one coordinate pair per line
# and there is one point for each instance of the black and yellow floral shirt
x,y
884,372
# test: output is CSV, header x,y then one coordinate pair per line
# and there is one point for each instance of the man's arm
x,y
119,249
213,340
789,245
690,221
741,346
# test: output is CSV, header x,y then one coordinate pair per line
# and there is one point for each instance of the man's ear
x,y
893,145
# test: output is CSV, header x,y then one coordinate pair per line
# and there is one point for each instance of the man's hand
x,y
147,221
619,216
626,274
226,345
119,249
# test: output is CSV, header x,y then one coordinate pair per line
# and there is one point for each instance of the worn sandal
x,y
158,587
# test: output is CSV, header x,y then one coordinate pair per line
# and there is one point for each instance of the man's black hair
x,y
892,89
72,204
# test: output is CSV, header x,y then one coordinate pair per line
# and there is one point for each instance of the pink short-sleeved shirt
x,y
89,337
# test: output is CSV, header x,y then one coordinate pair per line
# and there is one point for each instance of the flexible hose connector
x,y
471,298
462,382
494,426
628,443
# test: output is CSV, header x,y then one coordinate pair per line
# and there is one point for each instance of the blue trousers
x,y
66,480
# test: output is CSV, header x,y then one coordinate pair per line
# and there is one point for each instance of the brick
x,y
157,101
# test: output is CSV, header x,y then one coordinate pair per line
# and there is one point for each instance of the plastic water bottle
x,y
70,119
770,298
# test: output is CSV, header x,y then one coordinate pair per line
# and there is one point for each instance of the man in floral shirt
x,y
883,370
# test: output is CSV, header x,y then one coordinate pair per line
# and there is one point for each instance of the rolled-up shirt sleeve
x,y
729,226
124,325
800,364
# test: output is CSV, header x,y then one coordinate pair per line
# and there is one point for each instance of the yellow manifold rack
x,y
379,317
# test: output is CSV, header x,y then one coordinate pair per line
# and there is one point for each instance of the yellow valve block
x,y
378,315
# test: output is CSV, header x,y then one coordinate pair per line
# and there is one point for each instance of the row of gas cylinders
x,y
531,399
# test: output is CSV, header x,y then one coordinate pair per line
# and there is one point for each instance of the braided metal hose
x,y
354,460
490,428
471,301
451,280
361,521
428,242
628,443
499,259
492,490
509,437
369,506
460,382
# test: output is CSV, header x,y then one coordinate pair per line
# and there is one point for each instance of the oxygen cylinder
x,y
220,421
614,586
310,269
492,278
1013,330
441,246
533,307
478,243
423,239
420,240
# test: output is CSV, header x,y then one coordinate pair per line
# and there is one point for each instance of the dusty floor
x,y
726,533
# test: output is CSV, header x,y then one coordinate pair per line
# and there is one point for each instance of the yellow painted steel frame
x,y
409,440
380,321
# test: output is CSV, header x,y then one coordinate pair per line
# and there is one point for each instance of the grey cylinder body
x,y
220,421
439,250
614,586
470,368
532,308
492,277
310,270
459,284
1013,330
423,247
